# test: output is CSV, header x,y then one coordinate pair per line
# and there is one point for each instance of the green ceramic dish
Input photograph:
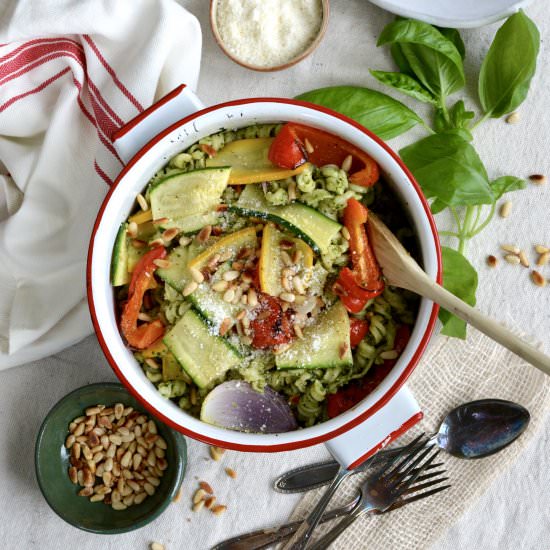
x,y
52,464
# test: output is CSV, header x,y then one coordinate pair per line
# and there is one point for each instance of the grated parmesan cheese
x,y
268,33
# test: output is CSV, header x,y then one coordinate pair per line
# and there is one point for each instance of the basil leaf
x,y
448,168
457,120
381,114
505,184
433,58
460,278
509,66
454,36
405,84
400,59
437,206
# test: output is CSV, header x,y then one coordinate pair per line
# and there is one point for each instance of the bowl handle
x,y
174,106
395,418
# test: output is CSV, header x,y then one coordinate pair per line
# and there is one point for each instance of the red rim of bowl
x,y
295,444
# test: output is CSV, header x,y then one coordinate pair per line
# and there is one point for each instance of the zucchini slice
x,y
209,303
188,201
305,222
119,261
325,344
249,162
204,356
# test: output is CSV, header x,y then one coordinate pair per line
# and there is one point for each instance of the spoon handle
x,y
485,324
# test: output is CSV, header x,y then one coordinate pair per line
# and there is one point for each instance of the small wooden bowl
x,y
297,59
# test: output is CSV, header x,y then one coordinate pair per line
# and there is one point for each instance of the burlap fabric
x,y
451,372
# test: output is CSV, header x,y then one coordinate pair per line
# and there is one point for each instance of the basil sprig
x,y
445,163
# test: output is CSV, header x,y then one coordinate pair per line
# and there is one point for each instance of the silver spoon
x,y
471,430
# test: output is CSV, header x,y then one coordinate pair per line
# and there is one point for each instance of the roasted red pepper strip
x,y
331,149
358,329
352,295
365,267
141,337
287,151
271,327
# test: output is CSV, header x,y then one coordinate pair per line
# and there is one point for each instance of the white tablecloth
x,y
513,514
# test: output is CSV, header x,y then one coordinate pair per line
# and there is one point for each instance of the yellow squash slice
x,y
249,162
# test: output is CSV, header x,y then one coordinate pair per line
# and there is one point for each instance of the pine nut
x,y
86,492
209,502
177,497
298,285
189,288
538,279
492,261
184,241
231,275
543,259
231,473
149,489
298,331
206,487
513,118
142,202
163,264
139,498
226,324
505,209
346,165
510,248
198,506
92,410
343,350
220,286
287,297
219,509
286,258
137,244
125,460
119,409
538,179
229,295
70,441
308,146
198,277
252,298
169,234
73,475
151,459
512,259
391,354
129,500
118,506
523,259
132,230
204,234
291,191
157,546
113,438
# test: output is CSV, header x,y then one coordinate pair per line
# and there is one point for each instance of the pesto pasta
x,y
249,270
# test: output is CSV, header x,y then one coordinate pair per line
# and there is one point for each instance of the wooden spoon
x,y
402,271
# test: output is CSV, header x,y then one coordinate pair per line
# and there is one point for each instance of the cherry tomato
x,y
271,327
358,329
287,151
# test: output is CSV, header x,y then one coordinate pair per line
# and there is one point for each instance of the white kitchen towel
x,y
71,73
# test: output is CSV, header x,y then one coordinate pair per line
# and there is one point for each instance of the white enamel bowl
x,y
133,179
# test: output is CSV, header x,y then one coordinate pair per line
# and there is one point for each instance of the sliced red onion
x,y
237,406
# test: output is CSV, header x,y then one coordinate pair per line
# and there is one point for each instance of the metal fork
x,y
263,538
382,489
378,493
